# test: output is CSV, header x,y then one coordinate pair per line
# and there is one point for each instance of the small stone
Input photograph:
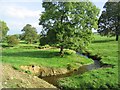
x,y
11,77
35,76
36,69
5,82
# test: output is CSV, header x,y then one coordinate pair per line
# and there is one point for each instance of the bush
x,y
43,41
69,67
45,46
28,72
28,47
68,51
12,41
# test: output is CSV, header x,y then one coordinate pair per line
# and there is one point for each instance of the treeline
x,y
29,35
69,25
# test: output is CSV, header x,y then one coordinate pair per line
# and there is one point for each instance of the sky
x,y
18,13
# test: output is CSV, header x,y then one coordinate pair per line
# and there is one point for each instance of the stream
x,y
80,70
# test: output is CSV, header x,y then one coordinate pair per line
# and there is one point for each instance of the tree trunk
x,y
30,41
61,51
117,37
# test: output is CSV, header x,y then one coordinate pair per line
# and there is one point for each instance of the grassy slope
x,y
18,56
101,78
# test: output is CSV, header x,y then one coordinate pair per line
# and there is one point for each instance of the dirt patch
x,y
15,79
44,71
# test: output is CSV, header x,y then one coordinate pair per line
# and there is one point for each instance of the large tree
x,y
30,33
3,30
109,21
69,24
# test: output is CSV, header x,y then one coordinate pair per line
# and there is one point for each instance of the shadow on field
x,y
102,41
5,46
32,54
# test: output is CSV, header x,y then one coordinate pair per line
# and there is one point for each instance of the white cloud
x,y
17,16
20,12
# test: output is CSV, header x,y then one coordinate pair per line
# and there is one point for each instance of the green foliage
x,y
68,51
109,20
17,36
28,72
12,40
3,30
16,67
69,24
43,41
45,46
21,37
30,34
69,66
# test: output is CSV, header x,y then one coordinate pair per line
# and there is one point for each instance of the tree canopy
x,y
69,24
3,29
109,21
30,33
12,40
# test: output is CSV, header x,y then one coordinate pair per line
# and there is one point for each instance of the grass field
x,y
18,56
107,48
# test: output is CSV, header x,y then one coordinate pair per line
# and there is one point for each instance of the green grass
x,y
22,44
107,48
48,58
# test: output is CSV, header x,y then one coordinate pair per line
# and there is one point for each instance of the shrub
x,y
12,41
45,46
69,66
43,41
68,51
28,72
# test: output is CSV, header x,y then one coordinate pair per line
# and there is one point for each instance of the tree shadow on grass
x,y
5,46
103,41
32,54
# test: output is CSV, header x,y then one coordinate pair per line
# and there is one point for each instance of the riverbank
x,y
15,79
45,60
107,49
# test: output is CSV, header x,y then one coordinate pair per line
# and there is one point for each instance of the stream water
x,y
80,70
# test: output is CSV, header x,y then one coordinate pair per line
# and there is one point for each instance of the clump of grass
x,y
16,67
28,72
69,66
43,47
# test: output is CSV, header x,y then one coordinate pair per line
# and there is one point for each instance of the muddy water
x,y
80,70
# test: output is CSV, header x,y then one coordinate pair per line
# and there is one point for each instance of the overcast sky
x,y
18,13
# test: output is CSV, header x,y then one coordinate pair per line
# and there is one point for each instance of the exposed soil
x,y
15,79
44,71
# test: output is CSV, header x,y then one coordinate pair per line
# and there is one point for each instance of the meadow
x,y
105,47
24,54
101,78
